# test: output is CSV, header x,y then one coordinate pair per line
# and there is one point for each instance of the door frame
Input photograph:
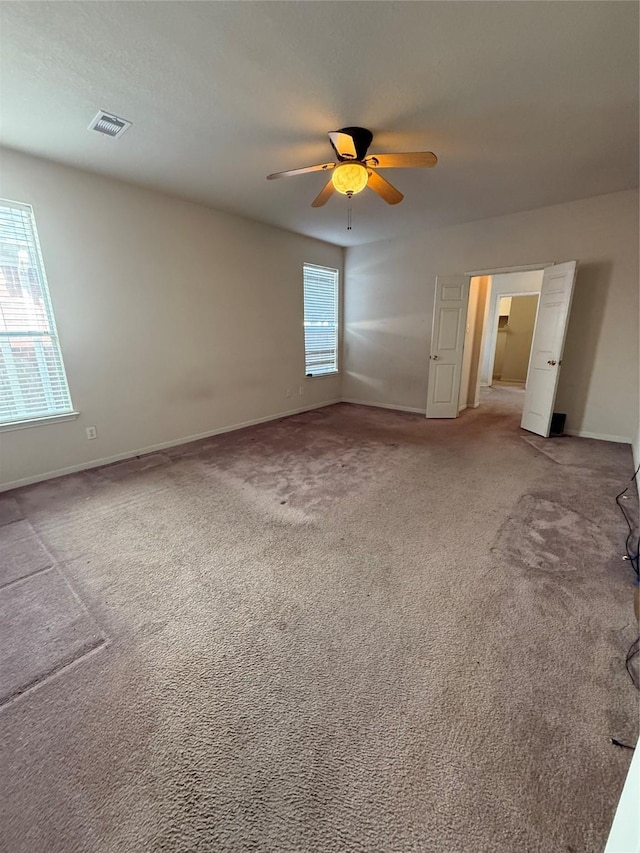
x,y
502,270
541,265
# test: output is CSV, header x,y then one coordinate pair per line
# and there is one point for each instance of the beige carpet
x,y
350,630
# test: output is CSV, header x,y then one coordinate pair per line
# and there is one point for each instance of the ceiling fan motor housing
x,y
362,139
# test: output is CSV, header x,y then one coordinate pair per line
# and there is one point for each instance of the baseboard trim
x,y
385,406
153,448
581,433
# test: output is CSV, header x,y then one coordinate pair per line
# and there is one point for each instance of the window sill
x,y
35,422
322,375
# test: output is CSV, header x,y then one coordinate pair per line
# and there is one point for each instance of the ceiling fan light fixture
x,y
349,178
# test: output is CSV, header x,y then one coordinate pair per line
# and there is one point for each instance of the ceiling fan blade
x,y
320,168
413,160
324,195
384,189
343,145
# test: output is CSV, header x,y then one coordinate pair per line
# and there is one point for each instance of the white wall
x,y
389,305
175,320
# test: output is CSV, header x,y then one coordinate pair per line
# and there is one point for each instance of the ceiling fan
x,y
354,170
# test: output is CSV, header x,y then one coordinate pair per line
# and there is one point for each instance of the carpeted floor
x,y
350,630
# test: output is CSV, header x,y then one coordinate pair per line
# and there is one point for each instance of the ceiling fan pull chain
x,y
349,218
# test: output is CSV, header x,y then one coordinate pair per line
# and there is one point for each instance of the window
x,y
320,320
32,379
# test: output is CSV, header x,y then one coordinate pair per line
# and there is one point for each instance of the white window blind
x,y
320,320
32,378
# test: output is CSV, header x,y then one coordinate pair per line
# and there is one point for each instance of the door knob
x,y
551,361
435,357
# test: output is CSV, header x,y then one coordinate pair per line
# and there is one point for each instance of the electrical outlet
x,y
92,433
289,392
301,390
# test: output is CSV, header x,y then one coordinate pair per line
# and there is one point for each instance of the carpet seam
x,y
18,694
28,576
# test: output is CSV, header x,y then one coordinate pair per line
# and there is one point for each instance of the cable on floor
x,y
633,555
634,559
619,743
634,649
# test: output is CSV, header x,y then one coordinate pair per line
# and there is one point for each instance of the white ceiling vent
x,y
109,124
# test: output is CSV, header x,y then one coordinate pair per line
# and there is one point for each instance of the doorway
x,y
464,340
500,323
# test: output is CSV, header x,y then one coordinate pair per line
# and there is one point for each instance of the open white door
x,y
549,336
447,345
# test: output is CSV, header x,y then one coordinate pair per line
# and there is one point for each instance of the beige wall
x,y
175,320
636,441
470,332
389,305
501,345
504,306
522,319
469,379
483,284
529,281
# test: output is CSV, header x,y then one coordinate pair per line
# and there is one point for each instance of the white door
x,y
554,305
447,345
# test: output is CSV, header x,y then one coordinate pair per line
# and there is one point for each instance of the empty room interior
x,y
319,427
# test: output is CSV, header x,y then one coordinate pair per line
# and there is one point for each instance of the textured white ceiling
x,y
525,103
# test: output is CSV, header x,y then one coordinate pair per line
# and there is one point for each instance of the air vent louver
x,y
109,124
